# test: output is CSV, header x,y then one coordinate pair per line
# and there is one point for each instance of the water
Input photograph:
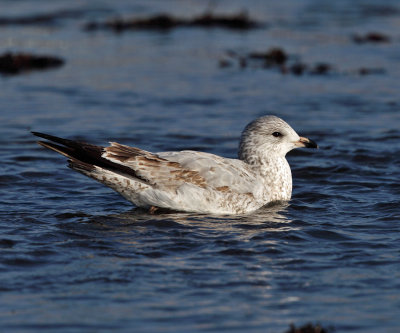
x,y
76,257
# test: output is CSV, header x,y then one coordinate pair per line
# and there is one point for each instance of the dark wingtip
x,y
43,135
80,166
64,142
57,148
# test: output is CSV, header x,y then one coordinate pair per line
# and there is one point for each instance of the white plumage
x,y
194,181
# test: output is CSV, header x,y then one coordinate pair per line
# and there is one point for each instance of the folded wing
x,y
166,171
170,170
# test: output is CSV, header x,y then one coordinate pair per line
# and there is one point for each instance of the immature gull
x,y
194,181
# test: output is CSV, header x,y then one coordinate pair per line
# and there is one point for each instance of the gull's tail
x,y
82,156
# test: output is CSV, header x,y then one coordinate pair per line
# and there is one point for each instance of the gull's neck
x,y
275,173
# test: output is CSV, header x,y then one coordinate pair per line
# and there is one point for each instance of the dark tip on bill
x,y
311,144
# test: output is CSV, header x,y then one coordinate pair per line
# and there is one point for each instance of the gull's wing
x,y
221,173
166,171
187,180
170,170
84,156
130,162
158,172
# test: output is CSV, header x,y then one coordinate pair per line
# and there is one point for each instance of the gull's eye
x,y
277,134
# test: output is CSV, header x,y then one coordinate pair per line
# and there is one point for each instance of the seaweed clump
x,y
277,59
371,37
41,19
309,328
273,57
240,21
21,62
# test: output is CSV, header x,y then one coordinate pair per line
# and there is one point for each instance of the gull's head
x,y
270,137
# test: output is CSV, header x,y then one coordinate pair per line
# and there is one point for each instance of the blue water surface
x,y
76,257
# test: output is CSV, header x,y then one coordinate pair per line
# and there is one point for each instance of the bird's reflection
x,y
269,218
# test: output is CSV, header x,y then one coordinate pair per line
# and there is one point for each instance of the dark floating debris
x,y
41,19
298,68
378,9
309,328
369,71
321,69
240,21
276,58
224,63
372,37
22,62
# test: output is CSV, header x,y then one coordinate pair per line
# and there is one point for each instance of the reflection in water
x,y
141,233
270,217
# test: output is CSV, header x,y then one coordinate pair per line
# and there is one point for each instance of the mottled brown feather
x,y
223,188
158,171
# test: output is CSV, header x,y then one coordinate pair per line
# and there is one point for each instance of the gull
x,y
193,181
